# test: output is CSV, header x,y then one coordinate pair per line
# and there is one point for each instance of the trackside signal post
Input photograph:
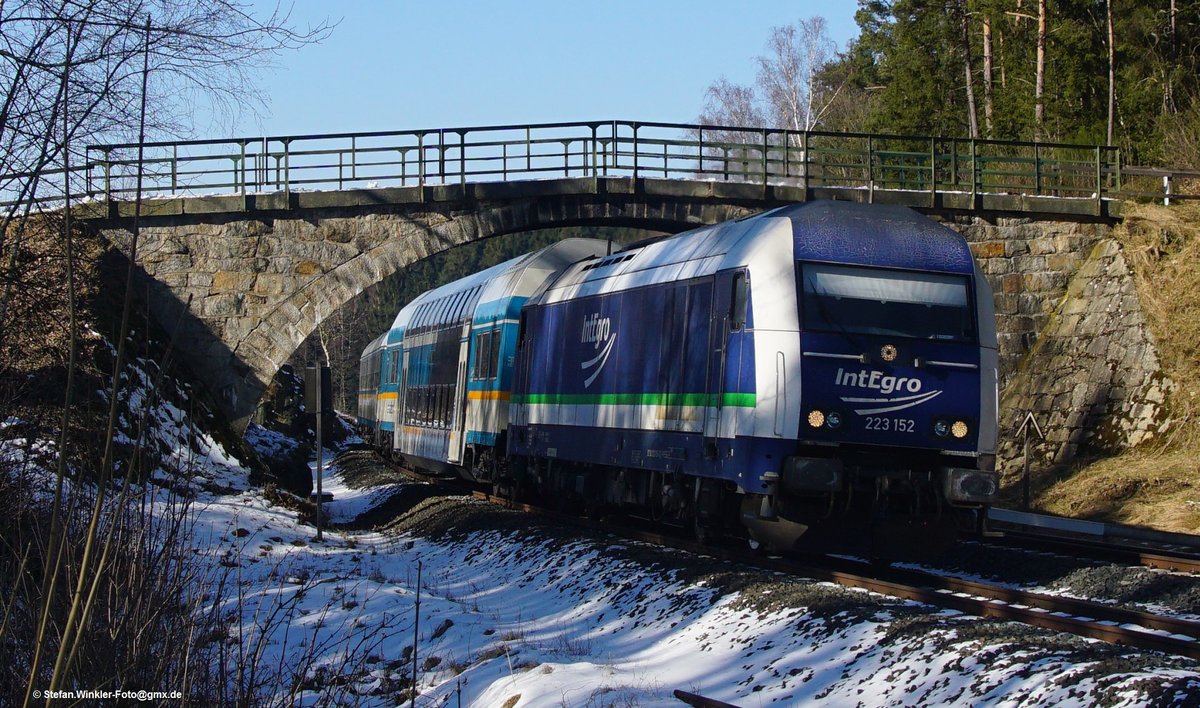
x,y
1023,431
318,392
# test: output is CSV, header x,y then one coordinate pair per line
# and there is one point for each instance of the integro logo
x,y
597,331
885,385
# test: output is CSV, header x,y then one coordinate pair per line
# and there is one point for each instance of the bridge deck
x,y
741,192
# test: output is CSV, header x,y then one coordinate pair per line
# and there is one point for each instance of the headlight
x,y
941,428
816,418
834,419
959,429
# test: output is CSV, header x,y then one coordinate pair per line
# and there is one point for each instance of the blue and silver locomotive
x,y
825,371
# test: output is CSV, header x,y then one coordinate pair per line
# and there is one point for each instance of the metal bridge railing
x,y
446,156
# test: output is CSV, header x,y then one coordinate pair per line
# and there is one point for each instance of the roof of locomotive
x,y
876,235
880,235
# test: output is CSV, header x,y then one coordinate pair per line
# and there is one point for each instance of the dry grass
x,y
1156,484
1153,487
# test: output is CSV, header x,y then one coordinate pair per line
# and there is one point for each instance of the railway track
x,y
1105,542
1083,618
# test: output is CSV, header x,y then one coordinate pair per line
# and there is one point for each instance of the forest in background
x,y
1079,71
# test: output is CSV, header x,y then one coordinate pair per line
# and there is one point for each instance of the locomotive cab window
x,y
877,301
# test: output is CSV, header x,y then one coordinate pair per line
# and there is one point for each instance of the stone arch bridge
x,y
241,279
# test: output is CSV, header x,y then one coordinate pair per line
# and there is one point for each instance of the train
x,y
819,375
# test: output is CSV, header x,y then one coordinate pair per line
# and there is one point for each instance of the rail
x,y
1094,539
447,156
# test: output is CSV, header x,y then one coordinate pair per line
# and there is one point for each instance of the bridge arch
x,y
240,289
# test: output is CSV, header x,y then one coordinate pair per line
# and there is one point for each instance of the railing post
x,y
805,143
442,156
1037,169
108,175
701,149
932,172
528,149
264,166
1099,182
566,158
421,159
766,165
614,155
403,167
974,175
666,159
504,161
287,168
635,152
787,153
462,157
1119,186
595,169
870,169
175,166
341,162
954,162
353,158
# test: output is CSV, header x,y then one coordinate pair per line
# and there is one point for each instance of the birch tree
x,y
988,90
960,8
787,92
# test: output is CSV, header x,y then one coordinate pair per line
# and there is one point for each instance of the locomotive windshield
x,y
886,302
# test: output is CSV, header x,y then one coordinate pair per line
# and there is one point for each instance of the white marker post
x,y
1024,431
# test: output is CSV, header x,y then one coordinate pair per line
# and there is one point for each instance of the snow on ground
x,y
349,502
511,615
580,623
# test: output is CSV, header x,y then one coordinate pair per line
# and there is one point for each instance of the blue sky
x,y
407,65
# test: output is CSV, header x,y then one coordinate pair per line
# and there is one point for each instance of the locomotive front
x,y
897,382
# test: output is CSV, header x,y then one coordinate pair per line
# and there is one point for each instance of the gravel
x,y
1177,594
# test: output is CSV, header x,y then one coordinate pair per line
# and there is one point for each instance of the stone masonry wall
x,y
1029,264
1092,378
